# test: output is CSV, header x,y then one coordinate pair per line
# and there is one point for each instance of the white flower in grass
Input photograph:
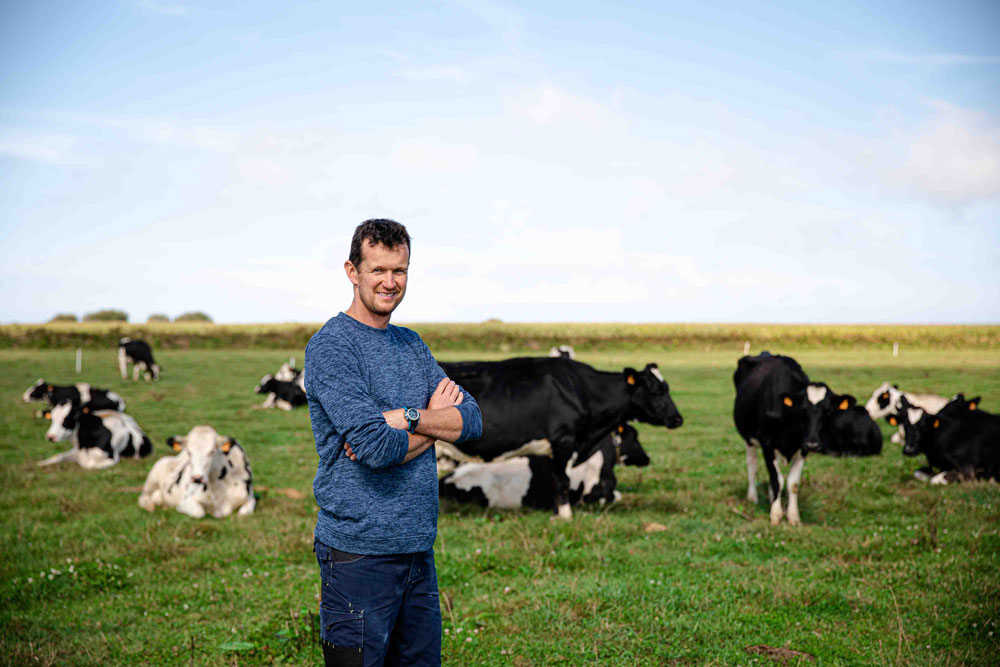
x,y
186,606
234,631
459,630
507,589
468,639
31,580
447,631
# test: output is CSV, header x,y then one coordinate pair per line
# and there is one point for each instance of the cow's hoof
x,y
794,520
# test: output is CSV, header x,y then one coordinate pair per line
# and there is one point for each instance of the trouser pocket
x,y
342,634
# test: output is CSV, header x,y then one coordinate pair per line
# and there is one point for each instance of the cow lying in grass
x,y
526,481
284,395
100,438
210,475
80,393
961,441
886,401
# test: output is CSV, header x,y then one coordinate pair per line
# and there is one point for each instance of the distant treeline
x,y
501,336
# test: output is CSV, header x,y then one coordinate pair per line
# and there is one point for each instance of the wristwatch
x,y
412,417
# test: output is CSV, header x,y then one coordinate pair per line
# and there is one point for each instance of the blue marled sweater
x,y
354,372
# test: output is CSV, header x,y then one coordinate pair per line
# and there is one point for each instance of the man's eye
x,y
400,273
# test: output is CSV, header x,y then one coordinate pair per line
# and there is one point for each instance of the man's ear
x,y
352,272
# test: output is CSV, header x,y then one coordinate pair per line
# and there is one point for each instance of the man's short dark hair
x,y
377,231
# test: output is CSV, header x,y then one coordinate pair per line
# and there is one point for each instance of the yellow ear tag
x,y
843,404
621,429
892,420
177,446
787,401
86,411
47,415
937,423
51,387
885,396
226,445
630,379
972,406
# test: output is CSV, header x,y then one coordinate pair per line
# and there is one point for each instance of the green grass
x,y
885,569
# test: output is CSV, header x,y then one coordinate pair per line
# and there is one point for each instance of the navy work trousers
x,y
379,610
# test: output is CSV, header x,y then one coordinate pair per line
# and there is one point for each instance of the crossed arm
x,y
439,421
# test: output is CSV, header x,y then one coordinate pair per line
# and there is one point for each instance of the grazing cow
x,y
100,438
960,440
285,395
779,410
80,393
141,355
563,351
210,475
539,404
526,481
885,402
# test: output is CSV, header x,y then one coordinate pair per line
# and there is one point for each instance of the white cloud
x,y
60,150
435,73
423,154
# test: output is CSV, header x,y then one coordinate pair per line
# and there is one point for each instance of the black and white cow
x,y
287,372
80,393
534,404
211,475
885,402
140,355
780,411
100,438
284,395
960,440
526,481
564,351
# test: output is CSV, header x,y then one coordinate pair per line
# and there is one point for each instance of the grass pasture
x,y
885,569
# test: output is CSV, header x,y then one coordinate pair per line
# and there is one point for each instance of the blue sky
x,y
638,162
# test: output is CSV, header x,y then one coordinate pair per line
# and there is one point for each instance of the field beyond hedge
x,y
504,337
884,569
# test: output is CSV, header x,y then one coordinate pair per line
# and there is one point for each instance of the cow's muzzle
x,y
811,445
675,422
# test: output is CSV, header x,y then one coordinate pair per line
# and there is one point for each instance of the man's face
x,y
381,278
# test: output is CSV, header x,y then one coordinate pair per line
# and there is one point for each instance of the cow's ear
x,y
893,420
974,403
47,414
176,442
895,386
843,405
629,374
226,445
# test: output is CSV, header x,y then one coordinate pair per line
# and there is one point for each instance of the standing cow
x,y
140,355
780,411
210,475
556,404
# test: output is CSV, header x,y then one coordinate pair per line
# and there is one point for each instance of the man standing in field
x,y
378,400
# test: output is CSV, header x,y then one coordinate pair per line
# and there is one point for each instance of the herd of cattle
x,y
553,430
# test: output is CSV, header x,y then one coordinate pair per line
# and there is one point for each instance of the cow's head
x,y
649,397
958,405
884,401
815,405
205,450
265,382
37,391
287,373
65,418
918,426
630,452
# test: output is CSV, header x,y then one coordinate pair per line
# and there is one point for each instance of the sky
x,y
810,162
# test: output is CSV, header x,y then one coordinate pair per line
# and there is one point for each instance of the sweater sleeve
x,y
472,420
334,381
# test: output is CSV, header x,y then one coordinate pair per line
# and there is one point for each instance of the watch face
x,y
412,414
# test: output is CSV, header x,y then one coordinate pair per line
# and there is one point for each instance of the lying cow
x,y
287,372
284,395
559,404
80,393
563,351
526,481
961,441
140,355
780,411
885,402
210,475
100,438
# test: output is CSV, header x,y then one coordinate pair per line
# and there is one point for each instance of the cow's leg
x,y
897,437
188,505
123,363
776,484
560,483
135,371
284,405
59,458
248,506
794,477
751,473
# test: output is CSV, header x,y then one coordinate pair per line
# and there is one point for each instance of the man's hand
x,y
445,395
350,452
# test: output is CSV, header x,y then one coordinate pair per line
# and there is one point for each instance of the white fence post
x,y
79,360
895,349
746,348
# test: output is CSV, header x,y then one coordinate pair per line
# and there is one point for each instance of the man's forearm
x,y
441,424
418,445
